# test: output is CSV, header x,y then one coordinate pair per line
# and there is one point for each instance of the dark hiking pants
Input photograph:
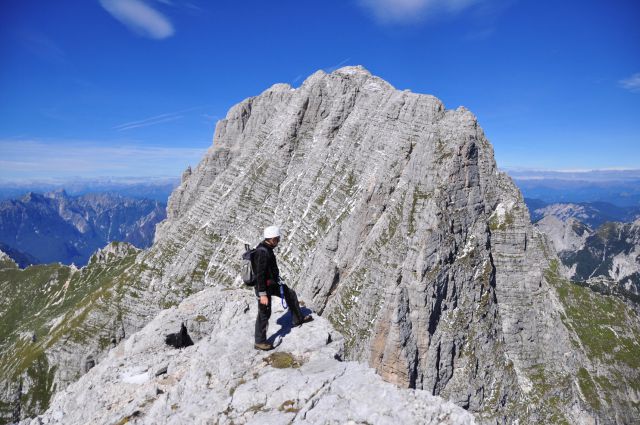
x,y
264,311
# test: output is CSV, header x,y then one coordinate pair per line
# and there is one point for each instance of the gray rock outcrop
x,y
222,379
565,235
607,257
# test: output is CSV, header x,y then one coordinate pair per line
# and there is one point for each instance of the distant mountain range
x,y
158,188
593,214
617,187
598,242
57,227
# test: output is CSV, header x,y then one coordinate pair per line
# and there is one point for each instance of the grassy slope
x,y
50,301
608,331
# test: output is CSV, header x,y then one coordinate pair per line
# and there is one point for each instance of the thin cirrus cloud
x,y
157,119
62,159
632,83
43,47
411,11
140,18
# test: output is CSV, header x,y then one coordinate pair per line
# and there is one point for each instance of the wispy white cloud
x,y
140,18
210,118
632,83
336,66
410,11
157,119
44,47
61,159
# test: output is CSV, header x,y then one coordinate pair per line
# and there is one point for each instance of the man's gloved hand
x,y
264,300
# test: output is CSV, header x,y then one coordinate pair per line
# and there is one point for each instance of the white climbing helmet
x,y
272,232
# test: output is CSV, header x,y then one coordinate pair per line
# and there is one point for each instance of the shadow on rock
x,y
286,323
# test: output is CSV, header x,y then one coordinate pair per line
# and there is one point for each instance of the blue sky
x,y
134,87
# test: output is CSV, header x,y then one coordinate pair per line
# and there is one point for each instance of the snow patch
x,y
138,378
468,247
501,211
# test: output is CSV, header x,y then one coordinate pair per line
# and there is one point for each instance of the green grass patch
x,y
609,332
39,295
588,388
282,360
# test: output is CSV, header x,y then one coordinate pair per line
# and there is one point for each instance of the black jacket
x,y
265,267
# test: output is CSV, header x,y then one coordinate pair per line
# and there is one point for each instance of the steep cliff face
x,y
400,230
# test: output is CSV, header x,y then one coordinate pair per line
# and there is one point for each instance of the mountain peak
x,y
32,197
399,230
57,194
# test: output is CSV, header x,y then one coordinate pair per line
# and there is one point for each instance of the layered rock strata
x,y
387,199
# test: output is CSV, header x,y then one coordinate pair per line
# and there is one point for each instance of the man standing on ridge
x,y
268,283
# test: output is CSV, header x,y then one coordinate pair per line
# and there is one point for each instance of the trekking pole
x,y
281,284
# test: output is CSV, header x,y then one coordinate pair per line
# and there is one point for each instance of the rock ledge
x,y
222,379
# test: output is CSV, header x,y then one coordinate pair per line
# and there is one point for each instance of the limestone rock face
x,y
565,235
607,257
223,379
398,227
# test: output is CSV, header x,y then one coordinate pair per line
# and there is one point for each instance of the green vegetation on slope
x,y
609,332
44,304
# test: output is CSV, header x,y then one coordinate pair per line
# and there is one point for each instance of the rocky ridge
x,y
593,214
608,257
565,235
400,230
222,379
47,336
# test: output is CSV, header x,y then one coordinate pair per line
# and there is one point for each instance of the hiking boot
x,y
265,346
305,319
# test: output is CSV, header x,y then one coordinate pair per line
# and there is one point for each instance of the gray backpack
x,y
246,268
